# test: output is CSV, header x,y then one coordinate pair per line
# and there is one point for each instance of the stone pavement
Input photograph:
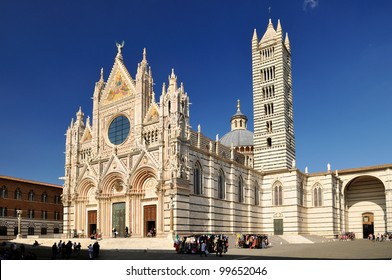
x,y
162,249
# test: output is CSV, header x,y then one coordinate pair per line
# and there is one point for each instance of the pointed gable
x,y
86,135
120,84
152,114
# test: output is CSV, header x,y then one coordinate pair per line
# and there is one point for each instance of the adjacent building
x,y
38,204
138,163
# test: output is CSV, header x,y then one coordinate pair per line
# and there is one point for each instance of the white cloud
x,y
310,3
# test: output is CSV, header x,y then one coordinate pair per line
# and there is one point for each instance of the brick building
x,y
42,209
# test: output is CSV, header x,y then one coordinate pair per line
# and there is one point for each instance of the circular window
x,y
119,130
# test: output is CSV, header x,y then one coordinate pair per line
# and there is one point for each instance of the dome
x,y
238,137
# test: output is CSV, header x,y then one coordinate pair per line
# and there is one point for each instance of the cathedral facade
x,y
139,165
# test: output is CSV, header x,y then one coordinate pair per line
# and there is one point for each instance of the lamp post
x,y
19,214
171,205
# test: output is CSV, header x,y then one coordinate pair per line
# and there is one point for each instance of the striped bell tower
x,y
274,142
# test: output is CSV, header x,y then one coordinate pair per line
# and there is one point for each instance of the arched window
x,y
317,196
197,179
18,194
277,191
3,192
221,185
257,194
241,190
44,197
301,195
31,195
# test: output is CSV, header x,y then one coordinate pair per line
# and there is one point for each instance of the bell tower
x,y
274,142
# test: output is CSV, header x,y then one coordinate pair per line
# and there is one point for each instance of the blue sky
x,y
51,53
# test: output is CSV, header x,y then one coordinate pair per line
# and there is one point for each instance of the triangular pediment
x,y
152,114
87,172
119,85
86,135
115,165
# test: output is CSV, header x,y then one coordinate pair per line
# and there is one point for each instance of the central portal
x,y
118,218
150,217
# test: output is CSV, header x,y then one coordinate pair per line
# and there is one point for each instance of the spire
x,y
172,82
101,78
238,105
79,117
163,88
270,33
287,42
144,54
254,38
278,27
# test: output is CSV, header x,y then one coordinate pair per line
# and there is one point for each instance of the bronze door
x,y
92,222
150,216
118,218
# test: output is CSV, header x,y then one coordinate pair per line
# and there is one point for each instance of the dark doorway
x,y
92,222
367,224
118,218
150,216
278,226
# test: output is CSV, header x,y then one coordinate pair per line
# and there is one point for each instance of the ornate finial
x,y
238,105
144,54
119,48
101,74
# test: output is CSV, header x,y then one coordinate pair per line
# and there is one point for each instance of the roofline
x,y
366,168
30,181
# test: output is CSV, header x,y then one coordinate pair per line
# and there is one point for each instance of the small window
x,y
241,190
3,192
57,199
197,179
44,197
269,142
31,195
18,194
3,211
30,231
3,230
221,185
44,231
317,196
277,195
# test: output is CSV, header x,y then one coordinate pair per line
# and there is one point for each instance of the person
x,y
219,248
203,249
77,248
35,244
96,249
54,250
126,232
22,250
115,232
90,251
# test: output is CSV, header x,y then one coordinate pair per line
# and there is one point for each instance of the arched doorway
x,y
365,206
145,201
367,224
